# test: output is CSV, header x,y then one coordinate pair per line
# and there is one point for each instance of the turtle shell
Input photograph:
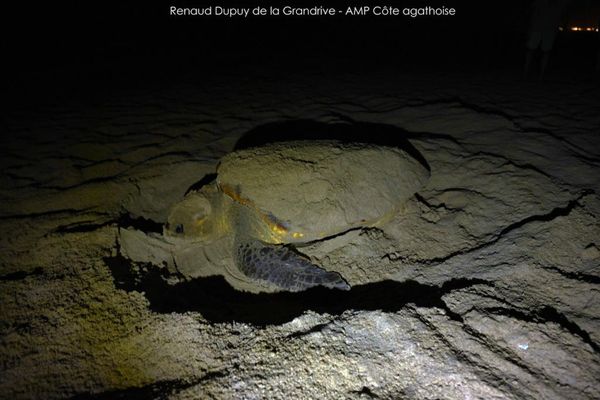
x,y
315,189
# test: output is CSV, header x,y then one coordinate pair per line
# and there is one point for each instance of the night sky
x,y
63,47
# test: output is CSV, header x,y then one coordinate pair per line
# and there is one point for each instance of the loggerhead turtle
x,y
272,199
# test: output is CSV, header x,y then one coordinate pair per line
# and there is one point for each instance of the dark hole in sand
x,y
217,301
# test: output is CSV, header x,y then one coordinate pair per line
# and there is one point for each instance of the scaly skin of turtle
x,y
278,265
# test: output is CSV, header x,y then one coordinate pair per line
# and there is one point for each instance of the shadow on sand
x,y
349,131
217,301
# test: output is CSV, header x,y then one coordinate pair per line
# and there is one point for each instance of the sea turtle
x,y
267,201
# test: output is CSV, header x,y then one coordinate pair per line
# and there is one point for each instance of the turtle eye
x,y
179,228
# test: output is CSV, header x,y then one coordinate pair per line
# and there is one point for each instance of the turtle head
x,y
194,217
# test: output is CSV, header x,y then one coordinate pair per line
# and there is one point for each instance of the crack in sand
x,y
578,276
18,275
313,329
63,211
124,221
554,213
157,390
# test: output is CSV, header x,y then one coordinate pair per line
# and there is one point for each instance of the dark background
x,y
78,50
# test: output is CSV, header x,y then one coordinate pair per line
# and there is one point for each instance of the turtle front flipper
x,y
280,266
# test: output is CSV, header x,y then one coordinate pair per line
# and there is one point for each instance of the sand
x,y
485,286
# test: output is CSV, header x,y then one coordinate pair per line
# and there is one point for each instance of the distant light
x,y
560,28
582,29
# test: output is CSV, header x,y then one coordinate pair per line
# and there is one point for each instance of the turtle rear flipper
x,y
284,268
